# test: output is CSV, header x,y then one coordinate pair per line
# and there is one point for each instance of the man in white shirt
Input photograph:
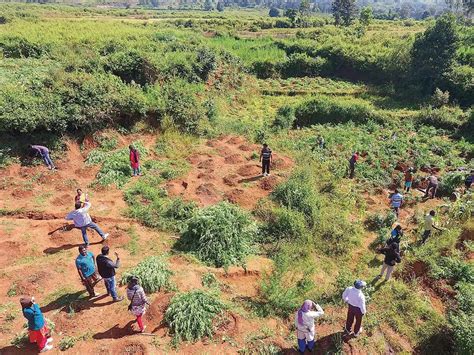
x,y
304,321
354,297
396,201
82,220
429,226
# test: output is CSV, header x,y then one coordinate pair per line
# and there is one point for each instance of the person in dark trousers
x,y
352,164
320,142
432,186
83,220
408,179
106,268
44,153
134,160
429,226
355,299
469,180
392,257
395,236
396,201
266,159
85,265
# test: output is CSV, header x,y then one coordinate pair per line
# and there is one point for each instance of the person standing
x,y
85,265
354,297
81,197
106,268
392,257
429,226
396,201
44,153
82,220
395,235
408,179
266,159
469,180
352,164
432,186
37,331
320,142
138,301
304,321
134,160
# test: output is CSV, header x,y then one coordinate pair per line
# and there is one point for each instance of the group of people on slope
x,y
309,311
90,275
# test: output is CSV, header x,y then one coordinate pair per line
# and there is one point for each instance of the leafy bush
x,y
285,224
453,269
67,342
153,272
439,98
323,109
465,297
18,47
450,182
449,118
220,235
206,62
301,64
209,280
285,117
132,66
463,331
190,315
265,69
377,221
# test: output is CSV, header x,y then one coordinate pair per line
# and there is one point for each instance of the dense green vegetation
x,y
399,92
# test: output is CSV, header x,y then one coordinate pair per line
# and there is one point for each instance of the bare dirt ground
x,y
38,249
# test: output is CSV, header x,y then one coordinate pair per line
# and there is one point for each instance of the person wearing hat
x,y
304,321
138,301
354,297
408,179
37,330
392,257
85,264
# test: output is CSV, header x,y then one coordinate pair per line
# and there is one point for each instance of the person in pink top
x,y
134,160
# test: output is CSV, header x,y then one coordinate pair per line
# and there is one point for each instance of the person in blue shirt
x,y
395,235
85,263
37,331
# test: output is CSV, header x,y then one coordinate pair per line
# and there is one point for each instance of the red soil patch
x,y
234,159
234,196
63,200
231,180
236,140
131,348
32,283
22,193
247,147
157,309
227,324
269,183
206,176
249,170
206,164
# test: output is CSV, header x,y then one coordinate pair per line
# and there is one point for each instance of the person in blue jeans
x,y
106,268
82,220
44,153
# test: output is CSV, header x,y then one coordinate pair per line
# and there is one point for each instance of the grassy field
x,y
197,93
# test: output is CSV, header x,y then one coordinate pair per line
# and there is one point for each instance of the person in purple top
x,y
44,152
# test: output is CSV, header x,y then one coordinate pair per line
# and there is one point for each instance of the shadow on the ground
x,y
250,179
116,332
54,250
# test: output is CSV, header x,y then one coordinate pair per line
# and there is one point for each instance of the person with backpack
x,y
396,201
106,268
392,257
304,321
138,301
408,179
429,226
352,164
86,269
44,153
432,186
37,331
83,220
395,235
355,299
134,160
266,159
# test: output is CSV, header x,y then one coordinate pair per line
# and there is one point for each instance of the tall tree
x,y
344,11
433,52
366,16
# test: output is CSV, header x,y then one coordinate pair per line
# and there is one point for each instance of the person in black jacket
x,y
392,256
106,268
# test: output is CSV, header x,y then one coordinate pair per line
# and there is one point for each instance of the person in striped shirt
x,y
396,201
266,159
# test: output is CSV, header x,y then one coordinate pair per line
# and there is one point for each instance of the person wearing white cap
x,y
354,297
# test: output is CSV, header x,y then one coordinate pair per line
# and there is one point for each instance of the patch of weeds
x,y
209,280
132,245
167,169
67,342
12,291
154,274
21,339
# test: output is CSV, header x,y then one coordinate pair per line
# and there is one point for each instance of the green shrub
x,y
301,64
463,331
132,66
153,272
453,269
190,315
377,221
18,47
180,210
450,182
209,280
465,297
206,62
220,235
449,118
266,69
285,224
21,339
285,117
67,342
323,109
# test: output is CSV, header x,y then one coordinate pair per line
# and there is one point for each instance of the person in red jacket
x,y
134,160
